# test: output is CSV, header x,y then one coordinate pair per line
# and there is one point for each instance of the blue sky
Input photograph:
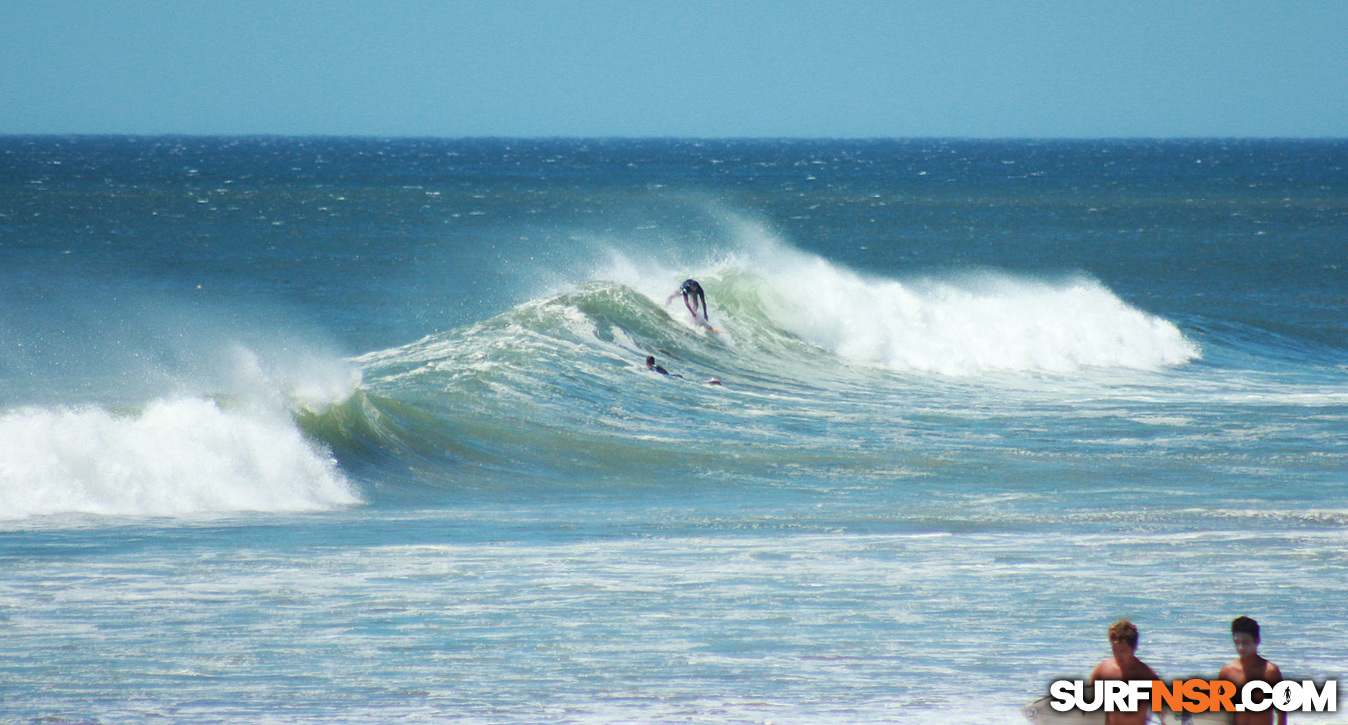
x,y
691,68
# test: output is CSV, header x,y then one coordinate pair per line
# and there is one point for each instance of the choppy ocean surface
x,y
359,430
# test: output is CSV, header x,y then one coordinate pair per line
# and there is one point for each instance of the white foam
x,y
959,324
176,457
987,322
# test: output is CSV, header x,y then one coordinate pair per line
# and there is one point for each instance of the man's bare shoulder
x,y
1141,671
1232,671
1107,670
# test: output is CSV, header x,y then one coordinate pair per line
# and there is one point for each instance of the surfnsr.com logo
x,y
1194,696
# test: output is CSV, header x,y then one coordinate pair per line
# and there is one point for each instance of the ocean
x,y
325,430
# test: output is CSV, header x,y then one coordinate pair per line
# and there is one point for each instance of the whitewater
x,y
357,431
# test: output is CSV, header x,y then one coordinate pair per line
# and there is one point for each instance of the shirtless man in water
x,y
1124,665
1249,666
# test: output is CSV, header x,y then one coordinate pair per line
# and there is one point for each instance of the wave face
x,y
555,390
769,300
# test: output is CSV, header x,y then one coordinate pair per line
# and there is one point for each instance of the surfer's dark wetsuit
x,y
650,365
693,298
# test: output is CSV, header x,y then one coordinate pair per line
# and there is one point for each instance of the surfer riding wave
x,y
694,299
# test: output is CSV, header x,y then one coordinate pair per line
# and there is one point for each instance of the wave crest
x,y
952,324
969,324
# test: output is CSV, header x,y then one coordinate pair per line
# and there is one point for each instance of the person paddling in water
x,y
694,299
655,367
650,365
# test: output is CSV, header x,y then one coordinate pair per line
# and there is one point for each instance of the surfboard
x,y
1041,713
1201,718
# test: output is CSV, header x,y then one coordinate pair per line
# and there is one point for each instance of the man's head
x,y
1245,636
1123,638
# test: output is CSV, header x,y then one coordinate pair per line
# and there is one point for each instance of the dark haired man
x,y
1249,667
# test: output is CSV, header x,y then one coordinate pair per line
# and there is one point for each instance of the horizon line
x,y
591,138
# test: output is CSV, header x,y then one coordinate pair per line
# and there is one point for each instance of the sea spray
x,y
140,403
